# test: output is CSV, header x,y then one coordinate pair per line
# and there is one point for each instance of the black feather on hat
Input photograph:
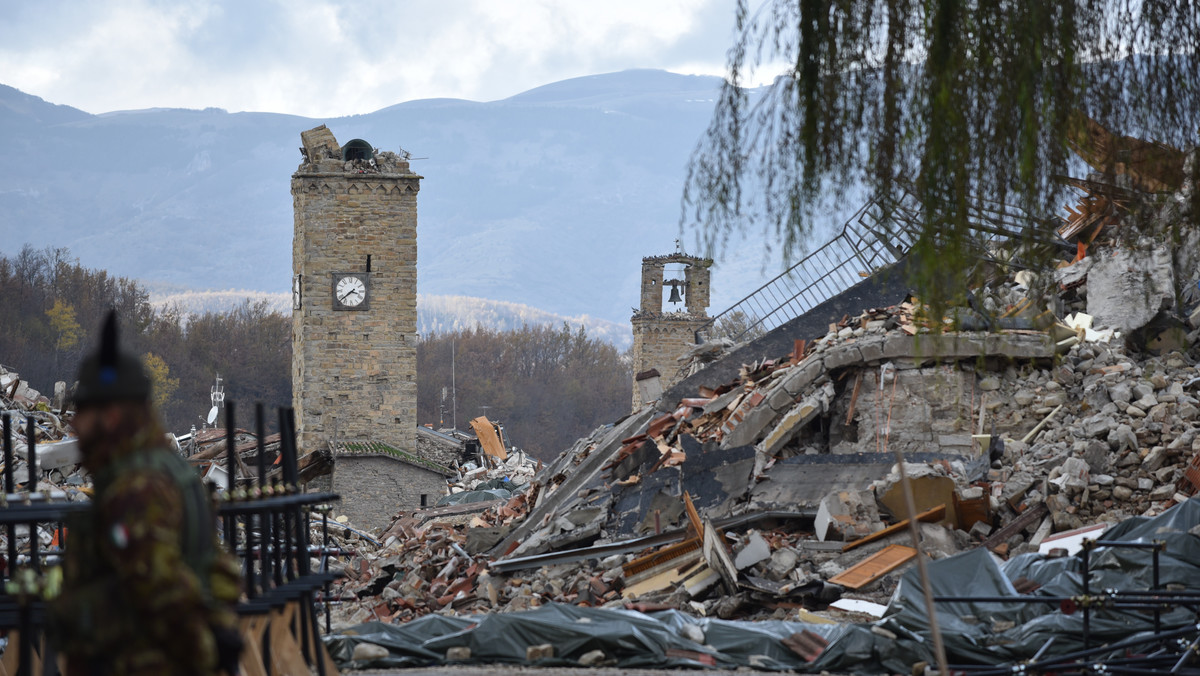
x,y
110,374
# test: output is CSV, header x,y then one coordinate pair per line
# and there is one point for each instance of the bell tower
x,y
665,328
354,294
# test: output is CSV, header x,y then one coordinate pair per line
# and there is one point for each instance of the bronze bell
x,y
675,297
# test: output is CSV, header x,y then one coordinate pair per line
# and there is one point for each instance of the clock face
x,y
350,291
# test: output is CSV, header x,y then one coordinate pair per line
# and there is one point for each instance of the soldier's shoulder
x,y
136,487
139,476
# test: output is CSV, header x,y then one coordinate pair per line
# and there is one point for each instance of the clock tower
x,y
354,295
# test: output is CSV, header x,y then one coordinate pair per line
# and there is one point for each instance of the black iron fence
x,y
266,524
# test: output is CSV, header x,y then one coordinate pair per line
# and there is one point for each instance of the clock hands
x,y
350,292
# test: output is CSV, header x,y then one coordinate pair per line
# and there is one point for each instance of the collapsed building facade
x,y
1060,407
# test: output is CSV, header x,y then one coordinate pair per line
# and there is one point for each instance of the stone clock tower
x,y
354,295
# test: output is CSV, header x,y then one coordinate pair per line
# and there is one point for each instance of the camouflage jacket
x,y
144,583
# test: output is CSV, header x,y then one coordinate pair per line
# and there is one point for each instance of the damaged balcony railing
x,y
876,236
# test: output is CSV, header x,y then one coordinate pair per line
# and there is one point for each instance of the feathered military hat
x,y
111,374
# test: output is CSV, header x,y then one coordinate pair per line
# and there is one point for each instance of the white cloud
x,y
329,58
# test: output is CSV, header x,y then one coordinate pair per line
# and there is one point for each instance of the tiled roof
x,y
441,436
371,447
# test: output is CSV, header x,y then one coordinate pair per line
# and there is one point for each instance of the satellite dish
x,y
212,415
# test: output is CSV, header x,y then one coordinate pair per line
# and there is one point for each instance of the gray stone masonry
x,y
1141,274
660,338
658,342
924,393
354,371
374,488
443,451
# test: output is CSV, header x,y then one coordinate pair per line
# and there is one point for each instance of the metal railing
x,y
876,236
275,549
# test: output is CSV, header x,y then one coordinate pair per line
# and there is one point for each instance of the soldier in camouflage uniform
x,y
146,590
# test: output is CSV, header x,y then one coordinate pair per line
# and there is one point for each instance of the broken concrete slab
x,y
581,472
871,349
797,417
804,375
754,420
1071,476
780,564
1143,272
779,399
847,516
886,287
718,477
799,482
940,542
641,509
755,550
841,355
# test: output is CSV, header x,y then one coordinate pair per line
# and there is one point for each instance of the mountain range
x,y
548,199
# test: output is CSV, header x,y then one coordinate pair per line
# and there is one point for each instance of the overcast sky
x,y
325,58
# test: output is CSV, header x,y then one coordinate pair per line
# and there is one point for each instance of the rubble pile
x,y
322,153
977,631
17,395
206,451
496,479
1083,433
428,562
1052,406
1121,445
438,567
57,454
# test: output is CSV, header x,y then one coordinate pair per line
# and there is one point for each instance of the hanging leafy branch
x,y
953,100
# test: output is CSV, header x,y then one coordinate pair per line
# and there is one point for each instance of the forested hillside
x,y
51,309
548,385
